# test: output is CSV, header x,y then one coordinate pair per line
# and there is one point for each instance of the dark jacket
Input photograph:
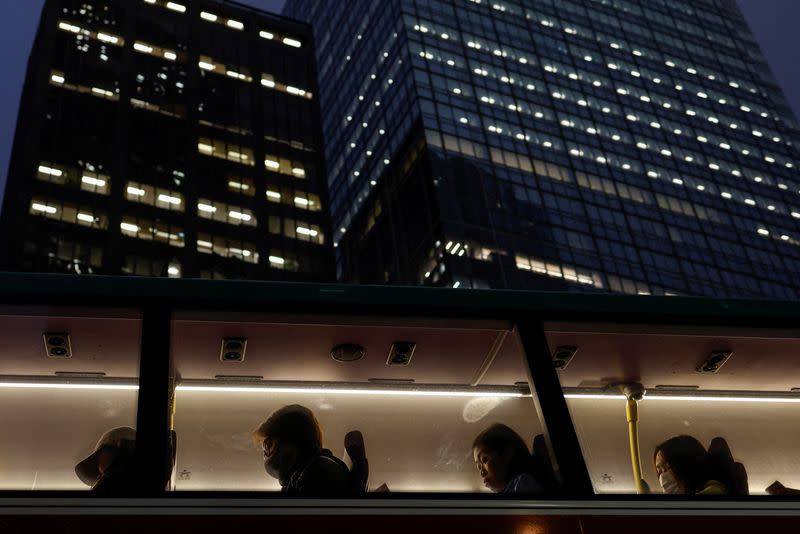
x,y
319,475
119,479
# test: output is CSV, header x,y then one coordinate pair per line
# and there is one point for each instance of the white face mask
x,y
669,483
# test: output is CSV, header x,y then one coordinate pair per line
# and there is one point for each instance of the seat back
x,y
359,472
725,469
542,465
172,453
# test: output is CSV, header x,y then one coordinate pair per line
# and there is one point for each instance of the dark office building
x,y
175,139
623,145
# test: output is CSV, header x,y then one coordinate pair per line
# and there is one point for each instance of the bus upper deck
x,y
195,366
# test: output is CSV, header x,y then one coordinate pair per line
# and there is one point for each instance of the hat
x,y
87,470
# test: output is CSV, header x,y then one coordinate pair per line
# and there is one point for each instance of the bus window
x,y
67,376
418,390
740,385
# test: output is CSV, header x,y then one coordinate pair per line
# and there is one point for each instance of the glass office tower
x,y
177,139
616,145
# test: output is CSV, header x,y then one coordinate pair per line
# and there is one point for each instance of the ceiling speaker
x,y
233,349
57,345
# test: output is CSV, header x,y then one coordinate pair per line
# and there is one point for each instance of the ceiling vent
x,y
233,349
57,345
400,353
714,361
348,352
562,356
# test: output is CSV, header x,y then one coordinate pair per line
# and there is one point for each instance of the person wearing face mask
x,y
291,444
504,462
683,468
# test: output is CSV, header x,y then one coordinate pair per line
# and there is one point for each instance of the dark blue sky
x,y
774,23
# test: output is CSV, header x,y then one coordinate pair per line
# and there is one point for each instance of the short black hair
x,y
293,424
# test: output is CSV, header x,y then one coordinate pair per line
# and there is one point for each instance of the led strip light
x,y
700,396
209,386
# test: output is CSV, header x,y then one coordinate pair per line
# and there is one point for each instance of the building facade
x,y
177,139
615,145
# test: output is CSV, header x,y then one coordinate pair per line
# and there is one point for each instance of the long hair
x,y
501,438
293,424
688,460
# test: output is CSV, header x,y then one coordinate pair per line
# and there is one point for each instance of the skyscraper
x,y
175,139
617,145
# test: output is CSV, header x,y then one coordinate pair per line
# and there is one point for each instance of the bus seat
x,y
542,464
172,452
725,469
359,473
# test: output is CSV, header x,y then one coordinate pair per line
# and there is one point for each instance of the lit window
x,y
69,27
169,199
267,81
49,170
141,47
180,8
239,216
43,208
106,38
93,181
302,230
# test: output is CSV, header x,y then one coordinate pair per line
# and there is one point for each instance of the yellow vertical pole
x,y
632,415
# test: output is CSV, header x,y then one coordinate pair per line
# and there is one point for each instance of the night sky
x,y
774,23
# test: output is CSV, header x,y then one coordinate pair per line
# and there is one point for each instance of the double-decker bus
x,y
597,381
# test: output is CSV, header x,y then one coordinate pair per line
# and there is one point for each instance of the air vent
x,y
391,380
57,345
348,352
71,374
562,356
240,378
400,353
233,349
714,361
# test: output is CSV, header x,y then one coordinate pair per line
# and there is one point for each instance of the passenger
x,y
291,441
682,467
776,488
110,468
504,462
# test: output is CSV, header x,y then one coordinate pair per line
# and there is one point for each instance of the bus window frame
x,y
528,310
